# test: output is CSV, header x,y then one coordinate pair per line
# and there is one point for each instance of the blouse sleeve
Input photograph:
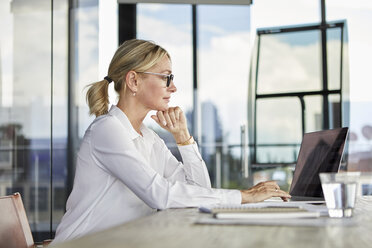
x,y
116,154
193,170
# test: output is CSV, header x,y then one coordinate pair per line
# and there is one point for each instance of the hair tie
x,y
109,80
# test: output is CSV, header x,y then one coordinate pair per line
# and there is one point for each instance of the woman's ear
x,y
131,81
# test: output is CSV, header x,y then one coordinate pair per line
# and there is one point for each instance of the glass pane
x,y
232,167
313,113
289,62
25,107
358,50
85,59
172,31
223,68
334,58
59,121
282,175
334,111
269,13
279,131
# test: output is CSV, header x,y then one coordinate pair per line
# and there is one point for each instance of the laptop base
x,y
307,199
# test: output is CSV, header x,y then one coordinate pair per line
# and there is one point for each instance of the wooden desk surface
x,y
175,228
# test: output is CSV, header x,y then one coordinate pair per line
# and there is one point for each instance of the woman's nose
x,y
172,87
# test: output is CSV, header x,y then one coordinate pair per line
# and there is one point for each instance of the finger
x,y
268,184
167,119
161,118
274,185
155,118
177,112
172,116
281,193
272,182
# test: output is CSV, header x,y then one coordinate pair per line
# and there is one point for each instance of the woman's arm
x,y
114,152
193,168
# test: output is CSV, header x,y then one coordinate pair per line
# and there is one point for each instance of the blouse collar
x,y
147,134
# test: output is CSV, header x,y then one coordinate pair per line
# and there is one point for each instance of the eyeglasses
x,y
169,77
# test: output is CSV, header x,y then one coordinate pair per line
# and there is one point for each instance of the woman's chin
x,y
162,108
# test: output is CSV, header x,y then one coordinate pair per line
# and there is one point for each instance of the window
x,y
33,104
223,63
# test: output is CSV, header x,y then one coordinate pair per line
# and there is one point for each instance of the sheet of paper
x,y
266,215
322,221
321,209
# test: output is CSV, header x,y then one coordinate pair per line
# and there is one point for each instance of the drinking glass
x,y
339,191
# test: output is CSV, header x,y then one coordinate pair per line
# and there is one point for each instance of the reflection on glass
x,y
290,62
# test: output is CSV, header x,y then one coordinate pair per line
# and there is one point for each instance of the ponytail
x,y
136,55
97,98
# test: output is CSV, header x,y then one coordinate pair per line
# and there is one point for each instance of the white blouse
x,y
121,175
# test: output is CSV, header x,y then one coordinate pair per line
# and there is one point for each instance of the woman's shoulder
x,y
104,122
107,126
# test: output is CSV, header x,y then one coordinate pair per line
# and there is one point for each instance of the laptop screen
x,y
320,152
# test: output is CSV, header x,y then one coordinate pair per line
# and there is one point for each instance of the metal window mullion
x,y
255,102
195,112
323,29
290,29
51,123
341,72
303,110
298,94
71,113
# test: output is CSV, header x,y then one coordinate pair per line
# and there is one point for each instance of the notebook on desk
x,y
319,152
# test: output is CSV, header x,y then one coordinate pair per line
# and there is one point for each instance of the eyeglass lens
x,y
169,79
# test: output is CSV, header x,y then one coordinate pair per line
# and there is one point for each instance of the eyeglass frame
x,y
169,77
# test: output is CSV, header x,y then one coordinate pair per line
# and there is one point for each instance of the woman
x,y
124,170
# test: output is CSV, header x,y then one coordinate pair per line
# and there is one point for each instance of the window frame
x,y
325,93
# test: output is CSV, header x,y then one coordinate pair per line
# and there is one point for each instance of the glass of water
x,y
340,191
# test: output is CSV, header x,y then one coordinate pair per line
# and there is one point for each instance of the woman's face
x,y
153,92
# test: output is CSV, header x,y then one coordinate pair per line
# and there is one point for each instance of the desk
x,y
175,228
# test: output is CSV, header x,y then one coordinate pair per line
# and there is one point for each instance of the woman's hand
x,y
263,191
174,121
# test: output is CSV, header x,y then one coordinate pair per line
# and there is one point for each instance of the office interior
x,y
252,78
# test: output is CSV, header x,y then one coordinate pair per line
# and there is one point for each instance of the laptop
x,y
319,152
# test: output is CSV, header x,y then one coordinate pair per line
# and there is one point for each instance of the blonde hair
x,y
136,55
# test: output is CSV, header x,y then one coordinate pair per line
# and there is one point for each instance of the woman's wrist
x,y
183,137
189,141
246,196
